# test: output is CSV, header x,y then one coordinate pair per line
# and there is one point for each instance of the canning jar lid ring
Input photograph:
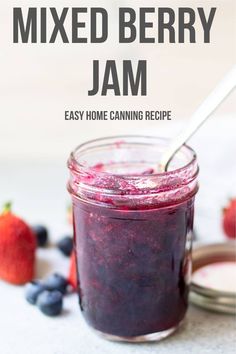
x,y
203,296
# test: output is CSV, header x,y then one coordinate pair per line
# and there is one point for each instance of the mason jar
x,y
133,235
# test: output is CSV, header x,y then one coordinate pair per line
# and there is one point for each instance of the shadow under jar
x,y
133,235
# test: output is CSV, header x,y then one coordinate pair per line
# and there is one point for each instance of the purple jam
x,y
133,267
133,238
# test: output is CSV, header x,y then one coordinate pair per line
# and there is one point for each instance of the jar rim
x,y
132,175
136,190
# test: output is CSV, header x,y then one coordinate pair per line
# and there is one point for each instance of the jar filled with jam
x,y
133,235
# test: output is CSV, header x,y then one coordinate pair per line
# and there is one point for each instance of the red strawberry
x,y
17,249
229,219
72,278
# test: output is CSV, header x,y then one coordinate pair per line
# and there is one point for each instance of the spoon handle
x,y
203,112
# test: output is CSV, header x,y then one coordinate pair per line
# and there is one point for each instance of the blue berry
x,y
50,302
41,234
56,282
65,245
33,290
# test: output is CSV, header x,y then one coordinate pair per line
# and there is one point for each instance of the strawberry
x,y
229,219
72,278
17,249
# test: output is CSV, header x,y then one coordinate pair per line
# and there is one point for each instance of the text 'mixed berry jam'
x,y
133,235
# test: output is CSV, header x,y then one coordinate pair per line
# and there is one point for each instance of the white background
x,y
38,82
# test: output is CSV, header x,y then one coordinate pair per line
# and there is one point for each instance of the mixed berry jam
x,y
133,236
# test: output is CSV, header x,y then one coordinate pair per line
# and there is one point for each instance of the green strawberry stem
x,y
7,208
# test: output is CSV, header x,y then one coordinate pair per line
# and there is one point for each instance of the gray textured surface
x,y
23,330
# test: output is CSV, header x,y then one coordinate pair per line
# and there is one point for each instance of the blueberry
x,y
33,290
50,302
41,234
65,245
56,282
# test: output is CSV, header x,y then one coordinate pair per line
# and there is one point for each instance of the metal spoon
x,y
204,111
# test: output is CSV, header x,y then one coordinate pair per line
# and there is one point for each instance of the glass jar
x,y
133,235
